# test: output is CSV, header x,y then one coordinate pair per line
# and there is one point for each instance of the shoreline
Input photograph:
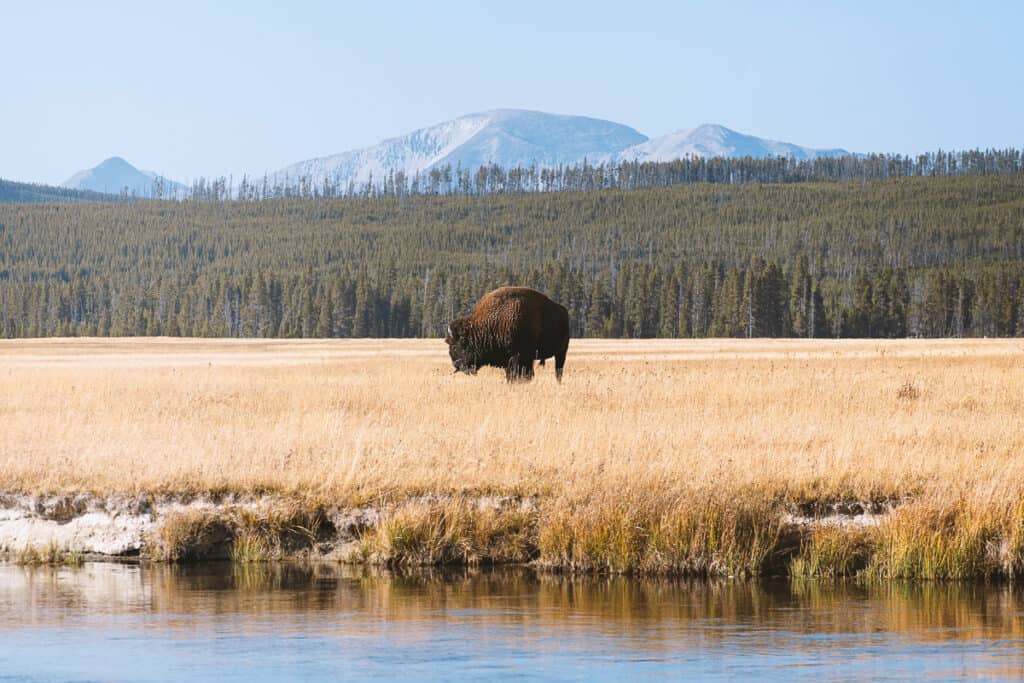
x,y
813,539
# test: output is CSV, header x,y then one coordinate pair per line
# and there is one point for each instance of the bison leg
x,y
519,369
526,370
511,368
560,363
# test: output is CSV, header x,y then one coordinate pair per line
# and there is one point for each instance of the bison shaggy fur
x,y
510,328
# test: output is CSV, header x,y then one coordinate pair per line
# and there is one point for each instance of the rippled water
x,y
271,622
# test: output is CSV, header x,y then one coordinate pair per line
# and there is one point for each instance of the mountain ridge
x,y
505,137
509,137
521,137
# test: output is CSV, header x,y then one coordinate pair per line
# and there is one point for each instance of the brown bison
x,y
509,328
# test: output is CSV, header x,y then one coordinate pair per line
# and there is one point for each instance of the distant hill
x,y
711,140
14,192
514,137
117,176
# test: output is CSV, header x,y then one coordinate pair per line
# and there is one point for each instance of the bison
x,y
509,328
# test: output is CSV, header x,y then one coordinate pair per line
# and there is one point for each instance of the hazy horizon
x,y
211,91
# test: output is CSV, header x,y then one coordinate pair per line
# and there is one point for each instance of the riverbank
x,y
712,457
879,539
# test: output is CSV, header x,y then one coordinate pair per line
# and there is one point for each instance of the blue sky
x,y
187,89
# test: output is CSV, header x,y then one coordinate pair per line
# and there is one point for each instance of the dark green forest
x,y
890,255
11,191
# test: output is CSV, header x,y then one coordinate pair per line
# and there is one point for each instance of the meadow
x,y
662,456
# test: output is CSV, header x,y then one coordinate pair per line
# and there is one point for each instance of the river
x,y
223,622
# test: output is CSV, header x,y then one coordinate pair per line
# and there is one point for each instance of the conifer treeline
x,y
625,175
11,191
934,256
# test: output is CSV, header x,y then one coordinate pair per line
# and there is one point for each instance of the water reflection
x,y
249,622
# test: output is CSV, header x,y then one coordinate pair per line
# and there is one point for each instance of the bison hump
x,y
510,313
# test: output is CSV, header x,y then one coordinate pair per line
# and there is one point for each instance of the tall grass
x,y
49,554
652,456
242,533
691,537
450,531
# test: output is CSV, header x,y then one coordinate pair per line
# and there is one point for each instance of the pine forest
x,y
853,247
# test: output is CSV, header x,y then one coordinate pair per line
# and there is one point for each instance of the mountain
x,y
515,137
710,140
507,137
115,175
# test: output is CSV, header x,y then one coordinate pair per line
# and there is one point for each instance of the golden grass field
x,y
637,427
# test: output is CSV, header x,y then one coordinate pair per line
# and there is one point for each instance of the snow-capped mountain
x,y
710,140
115,175
507,137
514,137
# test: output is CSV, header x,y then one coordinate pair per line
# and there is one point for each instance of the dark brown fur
x,y
509,328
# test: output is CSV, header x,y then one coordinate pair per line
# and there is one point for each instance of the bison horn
x,y
448,334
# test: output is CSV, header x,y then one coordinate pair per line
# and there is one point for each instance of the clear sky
x,y
201,88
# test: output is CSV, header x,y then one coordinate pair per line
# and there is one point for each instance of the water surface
x,y
221,622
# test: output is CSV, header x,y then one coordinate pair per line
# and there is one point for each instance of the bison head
x,y
460,349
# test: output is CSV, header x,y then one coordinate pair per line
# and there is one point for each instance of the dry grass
x,y
833,551
49,554
190,535
450,532
244,534
648,452
703,535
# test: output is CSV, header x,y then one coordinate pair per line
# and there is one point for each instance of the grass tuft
x,y
454,531
908,391
935,541
189,535
832,551
239,533
271,533
50,554
701,538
